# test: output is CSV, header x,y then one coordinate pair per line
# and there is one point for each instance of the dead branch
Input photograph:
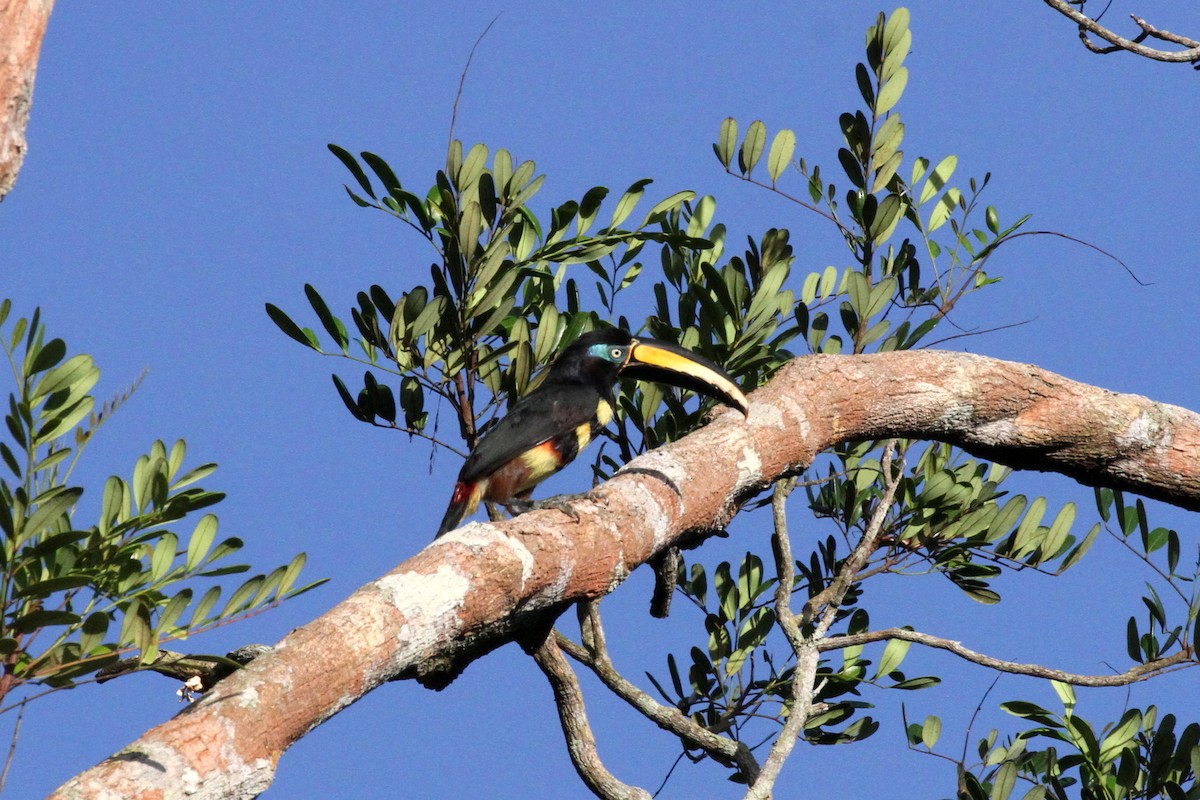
x,y
476,588
1190,53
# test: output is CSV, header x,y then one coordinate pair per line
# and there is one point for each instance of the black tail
x,y
460,506
454,515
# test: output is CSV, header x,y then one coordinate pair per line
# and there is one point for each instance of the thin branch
x,y
807,656
831,596
807,647
12,746
974,332
462,79
594,656
1088,245
1182,659
1118,43
581,743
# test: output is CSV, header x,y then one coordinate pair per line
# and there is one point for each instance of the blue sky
x,y
177,179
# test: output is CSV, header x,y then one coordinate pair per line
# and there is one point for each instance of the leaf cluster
x,y
75,596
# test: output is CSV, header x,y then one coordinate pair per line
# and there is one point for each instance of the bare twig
x,y
12,745
1182,659
1088,245
581,743
594,656
462,78
1119,43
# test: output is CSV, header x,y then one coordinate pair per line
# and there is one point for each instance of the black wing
x,y
548,411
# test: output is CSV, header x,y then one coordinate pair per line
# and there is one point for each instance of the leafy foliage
x,y
75,596
506,292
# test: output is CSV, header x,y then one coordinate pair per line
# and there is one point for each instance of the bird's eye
x,y
616,352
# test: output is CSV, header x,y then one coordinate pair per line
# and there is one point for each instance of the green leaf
x,y
42,618
1066,694
163,556
242,596
1004,781
333,326
628,200
78,374
51,504
780,155
91,634
943,209
937,179
889,95
1076,554
43,589
890,211
1121,737
1056,536
191,476
204,606
931,731
381,169
200,542
666,204
893,655
351,164
285,324
348,399
290,574
170,613
64,421
752,147
47,356
726,141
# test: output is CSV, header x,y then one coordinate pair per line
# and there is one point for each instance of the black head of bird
x,y
547,428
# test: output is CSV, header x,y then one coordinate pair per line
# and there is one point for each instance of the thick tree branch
x,y
1181,659
581,743
1087,25
22,26
476,588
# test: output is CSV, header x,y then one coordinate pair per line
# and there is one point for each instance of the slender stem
x,y
1141,672
808,646
594,655
12,746
581,743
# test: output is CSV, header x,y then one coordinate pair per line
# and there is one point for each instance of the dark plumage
x,y
546,429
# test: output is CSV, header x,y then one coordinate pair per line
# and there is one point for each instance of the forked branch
x,y
581,742
1190,52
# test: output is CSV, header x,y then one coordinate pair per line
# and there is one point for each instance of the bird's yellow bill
x,y
663,362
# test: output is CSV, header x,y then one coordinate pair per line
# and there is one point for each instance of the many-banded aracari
x,y
546,429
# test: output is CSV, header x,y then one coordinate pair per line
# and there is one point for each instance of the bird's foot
x,y
560,502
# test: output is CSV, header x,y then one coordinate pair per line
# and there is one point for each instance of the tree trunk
x,y
22,26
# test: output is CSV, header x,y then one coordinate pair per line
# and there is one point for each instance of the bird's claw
x,y
560,503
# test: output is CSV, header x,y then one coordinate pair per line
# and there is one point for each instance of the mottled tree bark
x,y
22,26
477,588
